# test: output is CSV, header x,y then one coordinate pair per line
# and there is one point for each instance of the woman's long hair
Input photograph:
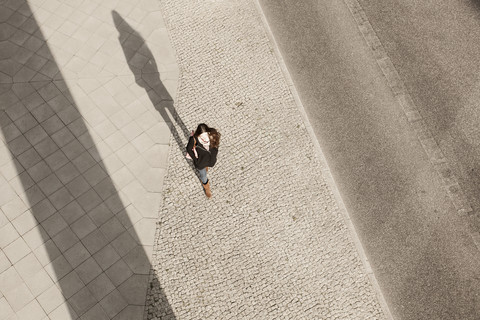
x,y
213,134
214,138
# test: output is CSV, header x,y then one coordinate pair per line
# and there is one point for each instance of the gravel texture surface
x,y
271,243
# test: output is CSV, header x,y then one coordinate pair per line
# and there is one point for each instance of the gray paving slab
x,y
79,126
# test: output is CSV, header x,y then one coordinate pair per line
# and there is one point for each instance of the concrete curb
x,y
326,172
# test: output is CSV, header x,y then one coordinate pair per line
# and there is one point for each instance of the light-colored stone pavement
x,y
272,242
83,152
91,149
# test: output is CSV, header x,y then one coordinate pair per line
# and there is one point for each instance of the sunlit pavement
x,y
101,215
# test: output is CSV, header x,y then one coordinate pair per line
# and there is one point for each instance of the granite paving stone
x,y
46,252
28,266
82,301
4,262
24,223
18,297
101,286
32,311
65,239
119,272
113,303
16,250
72,284
50,299
39,282
60,312
59,267
88,270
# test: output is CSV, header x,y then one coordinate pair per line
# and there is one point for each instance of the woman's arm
x,y
213,156
190,145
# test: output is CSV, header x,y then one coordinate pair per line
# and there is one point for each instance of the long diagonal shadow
x,y
81,233
143,65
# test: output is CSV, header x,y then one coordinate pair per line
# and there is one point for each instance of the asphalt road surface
x,y
419,246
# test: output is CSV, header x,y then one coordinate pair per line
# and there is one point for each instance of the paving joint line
x,y
330,181
411,111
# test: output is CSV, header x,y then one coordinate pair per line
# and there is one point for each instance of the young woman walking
x,y
202,148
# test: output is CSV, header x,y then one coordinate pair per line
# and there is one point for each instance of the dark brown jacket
x,y
206,158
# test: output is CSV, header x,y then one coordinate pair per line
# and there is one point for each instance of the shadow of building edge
x,y
33,191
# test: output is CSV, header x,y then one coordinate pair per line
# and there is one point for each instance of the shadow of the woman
x,y
143,66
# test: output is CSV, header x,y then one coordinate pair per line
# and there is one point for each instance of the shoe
x,y
206,187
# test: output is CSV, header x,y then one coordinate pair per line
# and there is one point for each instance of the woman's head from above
x,y
213,134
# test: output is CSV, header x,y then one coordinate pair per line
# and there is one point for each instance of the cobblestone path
x,y
271,243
